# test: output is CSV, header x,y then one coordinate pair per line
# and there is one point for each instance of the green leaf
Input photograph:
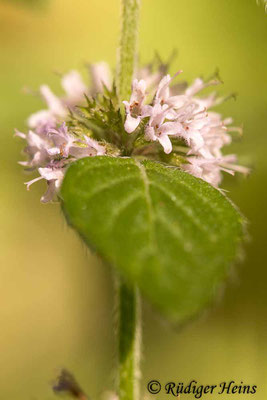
x,y
169,232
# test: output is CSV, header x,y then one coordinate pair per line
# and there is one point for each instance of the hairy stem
x,y
128,46
129,302
129,342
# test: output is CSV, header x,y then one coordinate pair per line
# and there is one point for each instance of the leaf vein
x,y
108,185
148,202
122,207
195,193
182,207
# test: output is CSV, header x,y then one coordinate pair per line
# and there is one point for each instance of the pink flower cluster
x,y
184,116
50,144
171,114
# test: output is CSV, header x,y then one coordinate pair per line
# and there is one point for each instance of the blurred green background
x,y
56,299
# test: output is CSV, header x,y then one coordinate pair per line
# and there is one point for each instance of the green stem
x,y
129,342
129,307
128,47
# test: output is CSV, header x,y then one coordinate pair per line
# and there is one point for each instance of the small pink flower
x,y
101,76
210,169
43,120
37,149
135,108
62,141
74,87
156,129
163,94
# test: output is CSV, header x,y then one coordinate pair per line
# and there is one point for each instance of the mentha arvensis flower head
x,y
163,121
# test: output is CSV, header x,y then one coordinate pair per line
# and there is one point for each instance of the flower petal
x,y
50,192
74,86
131,123
165,143
100,73
53,102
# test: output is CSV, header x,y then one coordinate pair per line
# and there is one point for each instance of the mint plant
x,y
136,162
